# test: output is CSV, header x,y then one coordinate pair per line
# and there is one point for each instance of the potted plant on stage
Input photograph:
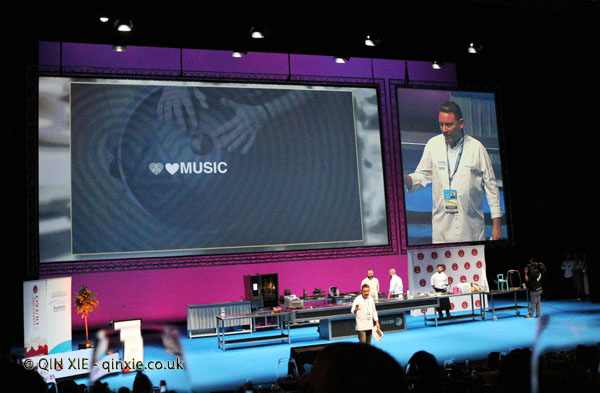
x,y
86,302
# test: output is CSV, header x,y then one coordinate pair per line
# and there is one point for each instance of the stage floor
x,y
209,369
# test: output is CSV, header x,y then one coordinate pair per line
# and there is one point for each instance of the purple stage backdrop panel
x,y
49,53
326,66
135,57
162,295
221,61
418,71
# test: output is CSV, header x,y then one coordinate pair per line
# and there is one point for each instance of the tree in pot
x,y
86,302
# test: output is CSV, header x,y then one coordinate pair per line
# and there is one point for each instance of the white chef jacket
x,y
366,313
396,285
373,284
474,175
439,280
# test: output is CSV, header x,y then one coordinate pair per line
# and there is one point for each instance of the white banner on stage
x,y
464,266
47,316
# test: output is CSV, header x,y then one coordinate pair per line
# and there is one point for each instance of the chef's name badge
x,y
451,201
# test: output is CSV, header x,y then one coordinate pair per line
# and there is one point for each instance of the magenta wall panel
x,y
162,295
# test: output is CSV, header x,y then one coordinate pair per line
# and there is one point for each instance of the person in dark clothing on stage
x,y
533,277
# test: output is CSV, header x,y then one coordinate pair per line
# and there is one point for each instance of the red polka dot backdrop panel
x,y
464,266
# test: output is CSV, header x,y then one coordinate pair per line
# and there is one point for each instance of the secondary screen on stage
x,y
142,168
452,170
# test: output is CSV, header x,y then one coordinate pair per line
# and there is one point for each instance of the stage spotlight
x,y
437,65
474,48
124,25
341,60
119,48
238,54
258,33
371,40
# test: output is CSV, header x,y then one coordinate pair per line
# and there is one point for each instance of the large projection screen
x,y
148,168
453,193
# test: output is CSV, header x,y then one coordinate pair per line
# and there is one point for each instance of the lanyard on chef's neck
x,y
451,176
367,303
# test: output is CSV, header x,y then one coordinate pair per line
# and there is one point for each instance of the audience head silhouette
x,y
515,371
423,373
141,383
354,367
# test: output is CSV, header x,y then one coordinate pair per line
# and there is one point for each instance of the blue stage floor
x,y
210,369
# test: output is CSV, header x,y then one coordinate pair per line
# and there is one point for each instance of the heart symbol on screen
x,y
156,167
172,168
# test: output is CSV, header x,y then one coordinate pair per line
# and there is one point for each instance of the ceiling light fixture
x,y
119,48
124,25
258,33
371,40
238,54
437,65
474,48
104,19
341,60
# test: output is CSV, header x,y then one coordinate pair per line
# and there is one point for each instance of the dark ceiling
x,y
417,30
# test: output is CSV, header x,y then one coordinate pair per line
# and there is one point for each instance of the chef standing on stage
x,y
396,286
373,284
366,315
439,283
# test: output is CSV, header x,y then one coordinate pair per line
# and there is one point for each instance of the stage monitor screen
x,y
147,168
452,169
